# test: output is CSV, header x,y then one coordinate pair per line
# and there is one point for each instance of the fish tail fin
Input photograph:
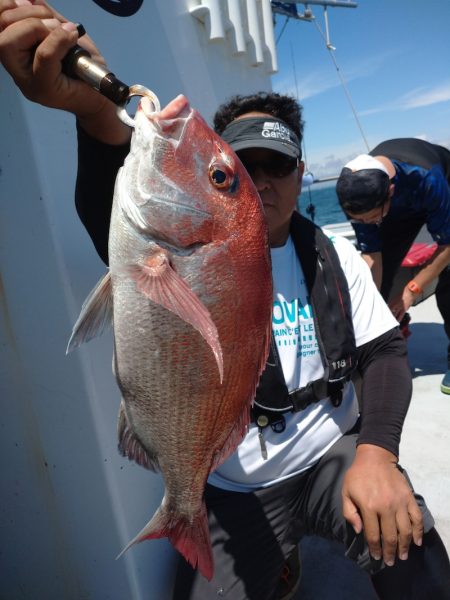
x,y
189,537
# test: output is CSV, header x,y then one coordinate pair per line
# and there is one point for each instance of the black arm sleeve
x,y
98,164
386,390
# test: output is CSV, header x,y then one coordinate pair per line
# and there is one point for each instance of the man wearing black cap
x,y
389,194
309,463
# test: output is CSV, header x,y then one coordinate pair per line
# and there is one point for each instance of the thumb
x,y
351,514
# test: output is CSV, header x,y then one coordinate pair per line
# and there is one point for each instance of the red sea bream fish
x,y
189,292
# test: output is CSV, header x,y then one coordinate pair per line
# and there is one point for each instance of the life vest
x,y
331,305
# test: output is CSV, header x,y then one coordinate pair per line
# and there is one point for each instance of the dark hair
x,y
285,108
361,191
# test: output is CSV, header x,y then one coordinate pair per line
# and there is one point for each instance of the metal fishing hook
x,y
136,90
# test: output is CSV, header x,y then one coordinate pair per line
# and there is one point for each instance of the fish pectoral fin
x,y
157,280
130,445
95,316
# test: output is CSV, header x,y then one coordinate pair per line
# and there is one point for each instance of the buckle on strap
x,y
303,397
315,391
336,394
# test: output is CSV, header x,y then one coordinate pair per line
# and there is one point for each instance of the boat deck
x,y
424,452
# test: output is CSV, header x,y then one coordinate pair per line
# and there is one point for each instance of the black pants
x,y
253,533
397,238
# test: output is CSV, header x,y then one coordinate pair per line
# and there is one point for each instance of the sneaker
x,y
290,576
445,384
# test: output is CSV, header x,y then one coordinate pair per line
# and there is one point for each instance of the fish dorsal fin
x,y
130,446
95,316
157,280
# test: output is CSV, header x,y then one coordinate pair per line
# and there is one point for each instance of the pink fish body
x,y
191,290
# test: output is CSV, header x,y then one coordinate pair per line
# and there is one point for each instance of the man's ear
x,y
300,171
391,190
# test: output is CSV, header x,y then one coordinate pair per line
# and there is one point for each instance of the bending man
x,y
389,194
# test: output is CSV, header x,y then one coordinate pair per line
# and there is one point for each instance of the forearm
x,y
386,391
433,267
374,453
98,164
104,125
402,301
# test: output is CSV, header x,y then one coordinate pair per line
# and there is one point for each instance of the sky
x,y
394,56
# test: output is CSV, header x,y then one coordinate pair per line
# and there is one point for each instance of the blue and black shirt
x,y
422,190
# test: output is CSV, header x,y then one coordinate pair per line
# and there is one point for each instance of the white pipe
x,y
327,29
269,35
211,15
217,26
234,12
254,31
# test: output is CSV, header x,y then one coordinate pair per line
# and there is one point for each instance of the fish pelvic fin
x,y
95,316
157,280
131,446
190,538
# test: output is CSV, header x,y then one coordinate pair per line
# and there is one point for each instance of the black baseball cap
x,y
262,132
362,185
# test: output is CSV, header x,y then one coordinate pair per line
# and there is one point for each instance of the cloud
x,y
440,141
416,98
426,97
322,80
306,87
326,163
331,165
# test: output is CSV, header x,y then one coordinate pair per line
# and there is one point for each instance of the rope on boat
x,y
310,209
331,49
282,29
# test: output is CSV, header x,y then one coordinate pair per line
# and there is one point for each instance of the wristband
x,y
413,287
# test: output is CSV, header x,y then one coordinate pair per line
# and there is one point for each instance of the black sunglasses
x,y
378,221
278,166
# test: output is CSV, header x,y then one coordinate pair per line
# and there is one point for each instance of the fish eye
x,y
221,176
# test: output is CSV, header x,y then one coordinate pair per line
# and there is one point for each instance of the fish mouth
x,y
171,120
178,107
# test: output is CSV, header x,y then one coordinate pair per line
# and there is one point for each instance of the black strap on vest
x,y
331,306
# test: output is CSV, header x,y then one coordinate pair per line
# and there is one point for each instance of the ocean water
x,y
322,196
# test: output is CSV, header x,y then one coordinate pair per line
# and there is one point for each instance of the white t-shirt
x,y
309,433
